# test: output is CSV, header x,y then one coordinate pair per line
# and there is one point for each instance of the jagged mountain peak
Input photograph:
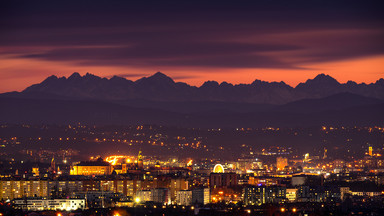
x,y
52,77
323,78
118,78
75,75
158,77
321,81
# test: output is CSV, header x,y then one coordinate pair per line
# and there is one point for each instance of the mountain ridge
x,y
160,87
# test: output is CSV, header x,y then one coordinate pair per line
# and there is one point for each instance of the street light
x,y
137,200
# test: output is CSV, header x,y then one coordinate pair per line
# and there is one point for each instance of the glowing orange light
x,y
113,159
189,163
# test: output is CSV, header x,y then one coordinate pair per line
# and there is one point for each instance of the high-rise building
x,y
177,185
254,195
184,197
13,189
144,195
161,195
222,180
201,196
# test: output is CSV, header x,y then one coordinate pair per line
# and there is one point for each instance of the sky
x,y
191,41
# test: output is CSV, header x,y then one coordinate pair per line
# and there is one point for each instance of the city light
x,y
114,159
190,163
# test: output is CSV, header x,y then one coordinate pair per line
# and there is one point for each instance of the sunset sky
x,y
191,41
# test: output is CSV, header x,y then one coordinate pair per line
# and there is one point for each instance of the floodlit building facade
x,y
144,195
89,168
184,197
49,204
201,196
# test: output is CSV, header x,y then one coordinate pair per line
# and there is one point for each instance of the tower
x,y
325,153
139,161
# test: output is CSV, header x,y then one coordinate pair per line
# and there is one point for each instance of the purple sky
x,y
194,41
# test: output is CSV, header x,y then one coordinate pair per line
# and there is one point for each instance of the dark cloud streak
x,y
206,33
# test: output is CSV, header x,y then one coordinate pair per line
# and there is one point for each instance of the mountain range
x,y
158,99
160,87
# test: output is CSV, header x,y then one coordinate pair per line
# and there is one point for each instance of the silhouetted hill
x,y
334,102
21,110
160,87
36,111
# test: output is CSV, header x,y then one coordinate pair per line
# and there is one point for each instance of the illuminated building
x,y
87,168
248,164
306,157
343,192
126,203
161,195
126,187
252,195
49,204
201,196
219,180
144,195
184,197
307,179
370,151
13,189
366,193
281,163
291,194
260,195
35,171
177,185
